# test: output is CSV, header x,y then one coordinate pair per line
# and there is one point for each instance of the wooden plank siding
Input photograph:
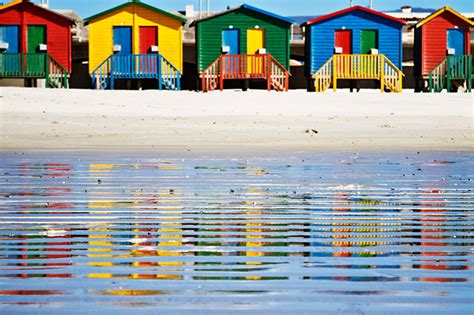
x,y
320,38
209,36
431,39
101,34
58,29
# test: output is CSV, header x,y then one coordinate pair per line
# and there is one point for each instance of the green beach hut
x,y
243,43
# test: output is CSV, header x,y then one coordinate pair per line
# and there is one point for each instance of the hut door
x,y
10,34
231,40
36,35
368,40
148,38
456,41
343,39
255,41
123,38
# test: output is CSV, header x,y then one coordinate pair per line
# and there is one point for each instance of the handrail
x,y
57,75
210,76
23,65
245,66
457,67
136,66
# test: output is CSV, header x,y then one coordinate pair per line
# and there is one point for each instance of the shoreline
x,y
41,120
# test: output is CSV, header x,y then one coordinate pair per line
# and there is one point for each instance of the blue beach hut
x,y
355,44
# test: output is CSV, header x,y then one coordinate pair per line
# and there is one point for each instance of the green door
x,y
368,40
35,60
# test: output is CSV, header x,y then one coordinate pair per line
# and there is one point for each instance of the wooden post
x,y
334,74
448,75
160,73
46,70
382,73
221,73
269,73
469,73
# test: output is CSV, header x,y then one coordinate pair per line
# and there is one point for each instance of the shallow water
x,y
358,233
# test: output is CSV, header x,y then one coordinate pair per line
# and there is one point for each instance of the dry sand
x,y
44,119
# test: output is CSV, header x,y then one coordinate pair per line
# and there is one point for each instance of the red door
x,y
148,38
343,39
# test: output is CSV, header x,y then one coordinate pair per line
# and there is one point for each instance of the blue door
x,y
122,62
10,34
231,39
123,37
456,41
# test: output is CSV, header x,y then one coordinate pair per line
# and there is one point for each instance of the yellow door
x,y
255,41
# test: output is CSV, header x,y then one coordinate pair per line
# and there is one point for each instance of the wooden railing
x,y
57,76
451,68
34,65
136,66
228,67
358,67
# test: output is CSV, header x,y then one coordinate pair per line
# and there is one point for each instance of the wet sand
x,y
86,120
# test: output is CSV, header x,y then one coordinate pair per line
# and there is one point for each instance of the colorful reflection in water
x,y
296,234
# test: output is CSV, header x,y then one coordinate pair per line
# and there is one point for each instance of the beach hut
x,y
35,44
136,41
443,51
354,44
243,43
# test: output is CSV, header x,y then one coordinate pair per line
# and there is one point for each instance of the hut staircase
x,y
34,66
450,70
231,67
359,67
136,66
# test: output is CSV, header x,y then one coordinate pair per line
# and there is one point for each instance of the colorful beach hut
x,y
35,43
354,44
135,41
243,43
443,50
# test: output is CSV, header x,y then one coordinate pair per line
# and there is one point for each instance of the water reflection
x,y
233,222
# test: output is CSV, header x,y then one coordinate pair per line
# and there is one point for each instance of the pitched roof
x,y
251,8
136,2
441,11
351,9
18,2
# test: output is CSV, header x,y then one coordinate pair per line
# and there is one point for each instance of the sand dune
x,y
44,119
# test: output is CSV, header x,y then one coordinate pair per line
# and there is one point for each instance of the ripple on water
x,y
324,232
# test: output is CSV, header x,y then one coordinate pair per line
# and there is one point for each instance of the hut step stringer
x,y
452,68
231,67
359,67
136,66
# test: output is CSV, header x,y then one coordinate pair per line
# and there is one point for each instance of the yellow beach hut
x,y
135,41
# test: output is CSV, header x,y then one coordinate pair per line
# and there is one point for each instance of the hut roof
x,y
441,11
18,2
351,9
251,8
139,3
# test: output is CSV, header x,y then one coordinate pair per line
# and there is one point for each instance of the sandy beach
x,y
43,119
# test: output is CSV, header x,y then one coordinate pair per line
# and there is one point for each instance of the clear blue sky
x,y
86,8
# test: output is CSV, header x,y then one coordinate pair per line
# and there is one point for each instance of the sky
x,y
87,8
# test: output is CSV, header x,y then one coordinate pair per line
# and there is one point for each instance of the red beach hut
x,y
443,50
35,43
